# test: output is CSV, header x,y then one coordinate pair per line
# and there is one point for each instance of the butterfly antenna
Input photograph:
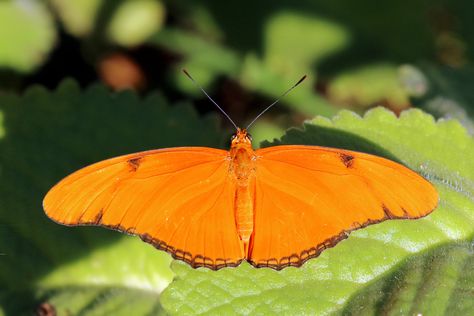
x,y
276,101
207,95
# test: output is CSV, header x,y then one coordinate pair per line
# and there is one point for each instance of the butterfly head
x,y
241,137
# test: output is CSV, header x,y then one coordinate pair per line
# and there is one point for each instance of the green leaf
x,y
438,281
27,34
44,136
349,278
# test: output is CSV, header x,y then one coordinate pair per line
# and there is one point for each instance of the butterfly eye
x,y
234,136
249,137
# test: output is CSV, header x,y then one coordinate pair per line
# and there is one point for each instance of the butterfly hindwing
x,y
308,198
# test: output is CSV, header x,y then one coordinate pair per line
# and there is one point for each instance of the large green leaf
x,y
439,281
394,267
45,135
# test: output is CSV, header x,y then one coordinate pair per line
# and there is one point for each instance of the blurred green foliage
x,y
350,50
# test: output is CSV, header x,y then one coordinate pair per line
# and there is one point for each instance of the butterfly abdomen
x,y
244,213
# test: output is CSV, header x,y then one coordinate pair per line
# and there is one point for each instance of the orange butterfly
x,y
274,207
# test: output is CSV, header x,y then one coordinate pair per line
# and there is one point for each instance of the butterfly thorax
x,y
242,167
242,158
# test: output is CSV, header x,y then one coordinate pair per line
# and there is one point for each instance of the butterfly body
x,y
242,170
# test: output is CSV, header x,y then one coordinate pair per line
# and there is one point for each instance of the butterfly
x,y
274,207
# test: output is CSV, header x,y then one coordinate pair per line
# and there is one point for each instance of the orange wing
x,y
179,200
309,198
